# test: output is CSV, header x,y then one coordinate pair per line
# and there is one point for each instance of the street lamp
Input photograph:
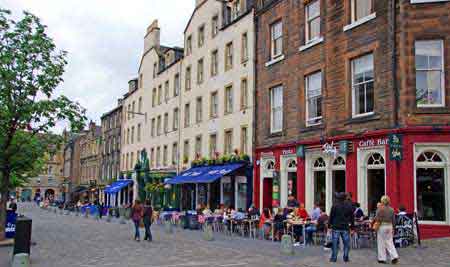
x,y
138,113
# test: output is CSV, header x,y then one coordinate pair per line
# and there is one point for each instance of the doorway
x,y
320,188
338,182
267,193
375,188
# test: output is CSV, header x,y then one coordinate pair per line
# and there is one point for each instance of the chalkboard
x,y
405,230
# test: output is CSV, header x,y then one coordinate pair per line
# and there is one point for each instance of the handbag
x,y
376,226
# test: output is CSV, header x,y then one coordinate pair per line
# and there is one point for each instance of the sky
x,y
104,40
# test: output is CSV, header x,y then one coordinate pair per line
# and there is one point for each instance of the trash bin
x,y
22,241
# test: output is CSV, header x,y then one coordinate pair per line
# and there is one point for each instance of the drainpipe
x,y
393,28
255,117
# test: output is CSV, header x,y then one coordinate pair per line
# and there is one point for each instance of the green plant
x,y
185,159
245,157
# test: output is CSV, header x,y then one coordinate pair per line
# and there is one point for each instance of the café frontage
x,y
411,165
228,184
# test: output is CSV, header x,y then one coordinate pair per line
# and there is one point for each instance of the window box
x,y
360,22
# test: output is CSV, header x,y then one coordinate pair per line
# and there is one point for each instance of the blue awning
x,y
117,186
205,174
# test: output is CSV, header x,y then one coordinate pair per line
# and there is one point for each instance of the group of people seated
x,y
296,217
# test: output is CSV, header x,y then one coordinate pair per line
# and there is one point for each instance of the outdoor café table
x,y
291,223
251,224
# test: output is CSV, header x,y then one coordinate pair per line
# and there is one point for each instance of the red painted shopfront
x,y
411,165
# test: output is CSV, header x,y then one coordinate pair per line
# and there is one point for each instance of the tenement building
x,y
90,161
194,106
110,146
354,96
151,116
217,98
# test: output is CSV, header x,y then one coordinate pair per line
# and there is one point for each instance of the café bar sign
x,y
373,142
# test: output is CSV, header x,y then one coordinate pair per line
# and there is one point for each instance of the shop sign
x,y
276,193
395,147
288,151
373,142
301,151
266,154
345,147
330,149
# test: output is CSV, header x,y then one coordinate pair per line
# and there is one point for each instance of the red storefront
x,y
411,165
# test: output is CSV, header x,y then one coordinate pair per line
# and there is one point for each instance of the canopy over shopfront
x,y
117,186
205,174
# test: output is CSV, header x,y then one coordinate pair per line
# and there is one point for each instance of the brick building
x,y
90,161
354,99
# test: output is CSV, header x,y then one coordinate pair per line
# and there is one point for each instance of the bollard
x,y
208,234
122,220
108,218
287,247
21,260
54,211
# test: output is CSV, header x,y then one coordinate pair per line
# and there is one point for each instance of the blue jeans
x,y
309,233
137,233
335,235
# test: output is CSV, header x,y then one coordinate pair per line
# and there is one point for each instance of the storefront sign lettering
x,y
373,142
263,154
288,151
330,149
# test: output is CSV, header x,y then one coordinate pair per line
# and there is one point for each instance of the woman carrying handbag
x,y
384,226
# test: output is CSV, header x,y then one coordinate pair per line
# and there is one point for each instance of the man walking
x,y
341,220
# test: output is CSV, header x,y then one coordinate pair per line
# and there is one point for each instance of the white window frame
x,y
229,99
444,150
442,104
274,54
308,19
272,109
353,11
317,118
354,112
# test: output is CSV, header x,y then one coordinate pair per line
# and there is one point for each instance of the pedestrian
x,y
341,221
136,215
386,220
13,205
100,210
148,215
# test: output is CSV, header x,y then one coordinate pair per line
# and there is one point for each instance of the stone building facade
x,y
357,100
111,142
90,161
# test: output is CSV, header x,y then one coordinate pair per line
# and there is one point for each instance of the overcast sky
x,y
104,40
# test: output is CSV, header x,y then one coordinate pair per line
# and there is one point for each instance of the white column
x,y
135,186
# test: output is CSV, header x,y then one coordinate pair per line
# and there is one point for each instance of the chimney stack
x,y
151,39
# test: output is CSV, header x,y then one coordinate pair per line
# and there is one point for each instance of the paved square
x,y
69,241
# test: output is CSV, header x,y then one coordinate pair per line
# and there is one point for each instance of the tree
x,y
31,68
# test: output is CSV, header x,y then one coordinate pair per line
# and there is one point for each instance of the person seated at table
x,y
302,213
265,222
253,212
278,222
220,210
315,214
292,203
238,215
318,225
358,213
207,211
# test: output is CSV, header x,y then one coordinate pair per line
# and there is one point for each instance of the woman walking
x,y
148,215
385,219
136,215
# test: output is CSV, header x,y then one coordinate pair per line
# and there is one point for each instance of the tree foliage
x,y
31,68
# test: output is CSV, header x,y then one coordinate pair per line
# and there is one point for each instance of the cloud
x,y
104,40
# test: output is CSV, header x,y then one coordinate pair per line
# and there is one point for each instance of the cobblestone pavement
x,y
66,241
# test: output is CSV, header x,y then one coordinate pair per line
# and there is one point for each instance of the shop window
x,y
292,164
339,161
430,187
319,163
227,192
241,193
202,194
375,159
270,165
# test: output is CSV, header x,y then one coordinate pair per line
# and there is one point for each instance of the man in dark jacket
x,y
341,220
